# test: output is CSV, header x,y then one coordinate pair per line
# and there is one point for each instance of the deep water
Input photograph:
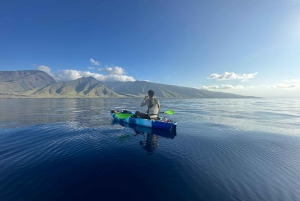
x,y
223,149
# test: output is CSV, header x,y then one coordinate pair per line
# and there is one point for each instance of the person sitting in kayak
x,y
153,107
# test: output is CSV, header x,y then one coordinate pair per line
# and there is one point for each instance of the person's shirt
x,y
153,104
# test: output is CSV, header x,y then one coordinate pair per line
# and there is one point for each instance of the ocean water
x,y
223,149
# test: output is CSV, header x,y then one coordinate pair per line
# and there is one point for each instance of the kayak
x,y
160,123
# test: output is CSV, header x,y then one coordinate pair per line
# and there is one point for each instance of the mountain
x,y
83,87
140,88
38,84
21,81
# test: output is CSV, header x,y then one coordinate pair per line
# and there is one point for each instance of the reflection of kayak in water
x,y
147,130
160,123
150,144
151,135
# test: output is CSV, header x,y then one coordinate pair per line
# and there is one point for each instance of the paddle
x,y
168,112
124,116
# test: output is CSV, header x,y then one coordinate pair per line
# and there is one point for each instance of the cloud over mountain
x,y
232,76
112,70
222,87
75,74
45,69
114,74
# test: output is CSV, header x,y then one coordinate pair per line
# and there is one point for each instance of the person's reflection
x,y
151,142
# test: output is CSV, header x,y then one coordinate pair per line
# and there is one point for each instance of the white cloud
x,y
115,74
210,87
288,85
94,62
44,68
112,70
66,75
91,68
232,87
232,76
226,87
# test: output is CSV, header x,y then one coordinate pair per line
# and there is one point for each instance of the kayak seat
x,y
153,116
126,112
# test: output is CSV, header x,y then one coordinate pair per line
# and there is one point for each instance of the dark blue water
x,y
224,149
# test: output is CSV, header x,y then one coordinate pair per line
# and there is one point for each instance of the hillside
x,y
140,88
83,87
21,81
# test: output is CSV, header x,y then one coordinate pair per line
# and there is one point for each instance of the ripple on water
x,y
223,150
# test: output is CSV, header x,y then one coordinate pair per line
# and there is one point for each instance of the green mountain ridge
x,y
22,81
82,87
38,84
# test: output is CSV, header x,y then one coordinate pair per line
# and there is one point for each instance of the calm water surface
x,y
224,149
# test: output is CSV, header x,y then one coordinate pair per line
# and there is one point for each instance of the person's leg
x,y
141,115
144,116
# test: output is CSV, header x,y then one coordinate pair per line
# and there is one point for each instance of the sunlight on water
x,y
276,116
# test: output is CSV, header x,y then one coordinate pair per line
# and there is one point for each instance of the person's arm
x,y
144,101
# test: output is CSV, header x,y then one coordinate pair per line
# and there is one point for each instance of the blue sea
x,y
223,149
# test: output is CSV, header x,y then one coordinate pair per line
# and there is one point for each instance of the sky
x,y
246,47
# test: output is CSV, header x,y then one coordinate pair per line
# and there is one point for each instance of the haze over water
x,y
224,149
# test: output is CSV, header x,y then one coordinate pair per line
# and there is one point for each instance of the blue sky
x,y
243,47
